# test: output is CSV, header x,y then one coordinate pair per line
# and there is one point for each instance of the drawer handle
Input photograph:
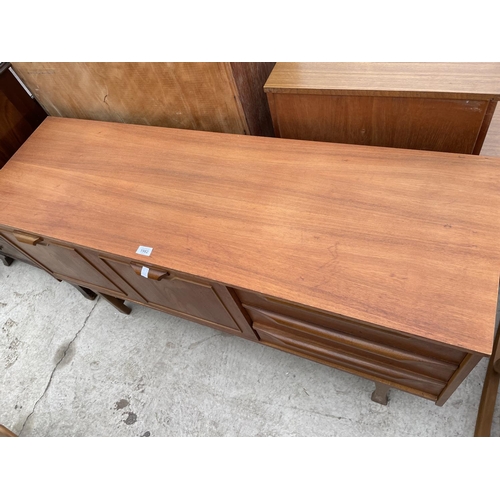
x,y
29,239
153,274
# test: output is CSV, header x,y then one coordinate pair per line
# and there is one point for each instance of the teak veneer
x,y
213,96
429,106
382,262
20,114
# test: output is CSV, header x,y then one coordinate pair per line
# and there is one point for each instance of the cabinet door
x,y
10,251
176,293
448,125
63,262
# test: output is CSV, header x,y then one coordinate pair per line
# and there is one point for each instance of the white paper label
x,y
144,251
145,271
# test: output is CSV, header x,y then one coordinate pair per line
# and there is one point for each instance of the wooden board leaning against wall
x,y
212,96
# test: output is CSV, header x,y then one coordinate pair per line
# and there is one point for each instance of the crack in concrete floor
x,y
57,365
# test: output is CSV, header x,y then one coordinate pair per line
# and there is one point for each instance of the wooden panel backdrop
x,y
212,96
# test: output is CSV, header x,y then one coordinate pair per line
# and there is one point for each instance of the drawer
x,y
254,302
374,353
372,362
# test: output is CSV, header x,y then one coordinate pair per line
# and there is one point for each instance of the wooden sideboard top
x,y
404,239
439,80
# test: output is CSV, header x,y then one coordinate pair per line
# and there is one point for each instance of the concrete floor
x,y
72,367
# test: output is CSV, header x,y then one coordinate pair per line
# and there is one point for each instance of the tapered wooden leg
x,y
379,395
7,261
489,394
117,303
4,432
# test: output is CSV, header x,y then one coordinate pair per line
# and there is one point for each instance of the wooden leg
x,y
379,395
4,432
117,303
489,394
88,294
7,261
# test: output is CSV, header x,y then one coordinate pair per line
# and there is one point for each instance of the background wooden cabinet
x,y
430,106
212,96
20,114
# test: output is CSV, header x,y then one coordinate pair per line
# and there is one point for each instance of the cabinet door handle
x,y
29,239
153,274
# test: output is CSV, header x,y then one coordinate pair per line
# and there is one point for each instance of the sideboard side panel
x,y
469,362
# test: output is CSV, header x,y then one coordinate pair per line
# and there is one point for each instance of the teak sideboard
x,y
381,262
429,106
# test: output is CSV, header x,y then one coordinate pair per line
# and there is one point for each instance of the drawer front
x,y
64,262
352,327
175,293
374,353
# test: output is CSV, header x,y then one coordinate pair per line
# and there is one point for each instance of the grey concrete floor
x,y
73,367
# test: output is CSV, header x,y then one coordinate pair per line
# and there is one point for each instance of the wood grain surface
x,y
447,125
192,95
407,240
444,80
491,146
249,79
